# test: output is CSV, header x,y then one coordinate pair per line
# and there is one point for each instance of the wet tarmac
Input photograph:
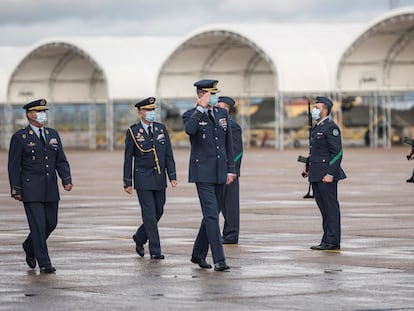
x,y
272,267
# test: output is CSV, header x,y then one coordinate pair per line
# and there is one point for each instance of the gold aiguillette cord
x,y
148,150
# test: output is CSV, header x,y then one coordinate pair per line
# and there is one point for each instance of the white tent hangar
x,y
90,68
252,62
258,61
379,64
100,70
382,56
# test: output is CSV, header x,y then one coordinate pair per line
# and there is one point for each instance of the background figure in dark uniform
x,y
325,171
230,207
410,157
35,154
211,168
148,146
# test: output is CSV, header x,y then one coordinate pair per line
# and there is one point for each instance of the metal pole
x,y
109,106
92,126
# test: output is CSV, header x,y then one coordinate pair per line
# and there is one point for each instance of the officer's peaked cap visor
x,y
147,103
36,105
207,85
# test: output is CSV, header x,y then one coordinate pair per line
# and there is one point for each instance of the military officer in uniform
x,y
230,207
211,168
149,155
410,157
325,171
35,155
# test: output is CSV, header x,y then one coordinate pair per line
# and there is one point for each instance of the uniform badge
x,y
47,132
156,128
202,123
335,132
141,130
31,132
140,138
24,136
160,136
223,122
53,141
31,144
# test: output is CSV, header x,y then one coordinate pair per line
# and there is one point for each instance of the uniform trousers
x,y
152,207
230,208
209,233
326,196
42,218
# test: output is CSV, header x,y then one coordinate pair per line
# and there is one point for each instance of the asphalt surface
x,y
272,267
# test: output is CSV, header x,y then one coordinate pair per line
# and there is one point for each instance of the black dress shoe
x,y
411,179
30,259
47,269
201,262
229,242
316,247
329,247
139,247
221,266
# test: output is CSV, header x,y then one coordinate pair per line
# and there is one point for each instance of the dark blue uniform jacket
x,y
211,146
146,176
32,167
325,152
236,133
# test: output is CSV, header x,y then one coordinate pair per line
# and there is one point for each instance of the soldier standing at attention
x,y
230,207
148,147
410,157
325,171
35,155
211,168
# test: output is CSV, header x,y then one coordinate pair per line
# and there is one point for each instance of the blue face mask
x,y
150,116
316,113
41,117
213,99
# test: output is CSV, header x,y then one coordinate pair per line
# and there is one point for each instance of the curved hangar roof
x,y
249,60
382,56
257,60
90,69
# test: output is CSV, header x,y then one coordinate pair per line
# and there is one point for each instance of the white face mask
x,y
150,116
41,117
316,113
213,99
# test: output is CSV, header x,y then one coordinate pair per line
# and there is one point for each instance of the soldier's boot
x,y
412,178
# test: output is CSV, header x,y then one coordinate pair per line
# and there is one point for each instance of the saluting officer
x,y
230,207
35,154
148,153
325,171
211,167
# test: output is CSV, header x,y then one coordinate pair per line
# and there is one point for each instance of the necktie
x,y
150,132
42,139
210,115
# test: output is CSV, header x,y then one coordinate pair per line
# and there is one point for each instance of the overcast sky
x,y
24,22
